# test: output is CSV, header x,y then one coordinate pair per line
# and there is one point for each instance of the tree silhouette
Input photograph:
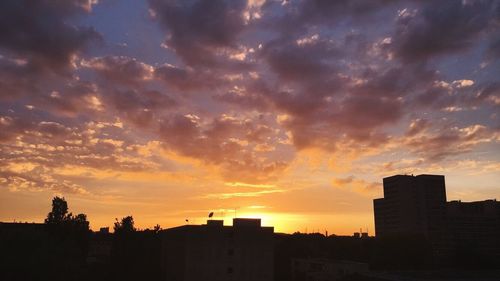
x,y
65,246
59,213
60,216
80,222
157,228
126,225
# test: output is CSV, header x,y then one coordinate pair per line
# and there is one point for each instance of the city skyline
x,y
288,111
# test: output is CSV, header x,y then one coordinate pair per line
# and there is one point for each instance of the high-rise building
x,y
416,205
411,204
215,252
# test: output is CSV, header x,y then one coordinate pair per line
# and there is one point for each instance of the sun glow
x,y
282,222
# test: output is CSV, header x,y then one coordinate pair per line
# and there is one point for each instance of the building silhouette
x,y
411,204
243,251
417,206
473,230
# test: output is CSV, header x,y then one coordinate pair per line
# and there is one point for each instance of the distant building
x,y
214,252
417,205
317,269
358,235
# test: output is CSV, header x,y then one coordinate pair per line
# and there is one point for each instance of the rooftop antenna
x,y
235,211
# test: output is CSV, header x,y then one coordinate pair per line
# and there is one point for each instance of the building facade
x,y
411,204
473,229
318,269
243,251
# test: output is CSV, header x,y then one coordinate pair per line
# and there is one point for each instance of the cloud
x,y
41,33
71,100
15,79
449,141
298,16
489,93
142,108
186,80
198,29
37,179
126,85
493,52
226,142
243,194
33,150
245,99
242,87
358,185
120,69
12,126
441,28
293,61
417,126
205,36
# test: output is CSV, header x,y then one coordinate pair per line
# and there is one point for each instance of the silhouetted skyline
x,y
288,111
419,234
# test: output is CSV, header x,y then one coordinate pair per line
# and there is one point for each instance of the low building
x,y
473,228
215,252
317,269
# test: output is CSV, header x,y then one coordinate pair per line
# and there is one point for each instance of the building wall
x,y
411,204
473,227
173,264
216,252
316,269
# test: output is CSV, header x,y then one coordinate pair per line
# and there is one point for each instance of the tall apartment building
x,y
411,204
215,252
417,205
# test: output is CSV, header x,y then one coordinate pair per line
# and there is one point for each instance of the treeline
x,y
59,249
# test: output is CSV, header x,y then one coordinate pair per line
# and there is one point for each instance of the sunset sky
x,y
291,111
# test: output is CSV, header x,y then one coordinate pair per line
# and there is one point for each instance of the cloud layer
x,y
288,94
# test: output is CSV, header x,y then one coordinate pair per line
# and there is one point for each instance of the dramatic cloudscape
x,y
292,111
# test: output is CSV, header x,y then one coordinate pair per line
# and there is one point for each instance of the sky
x,y
289,111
